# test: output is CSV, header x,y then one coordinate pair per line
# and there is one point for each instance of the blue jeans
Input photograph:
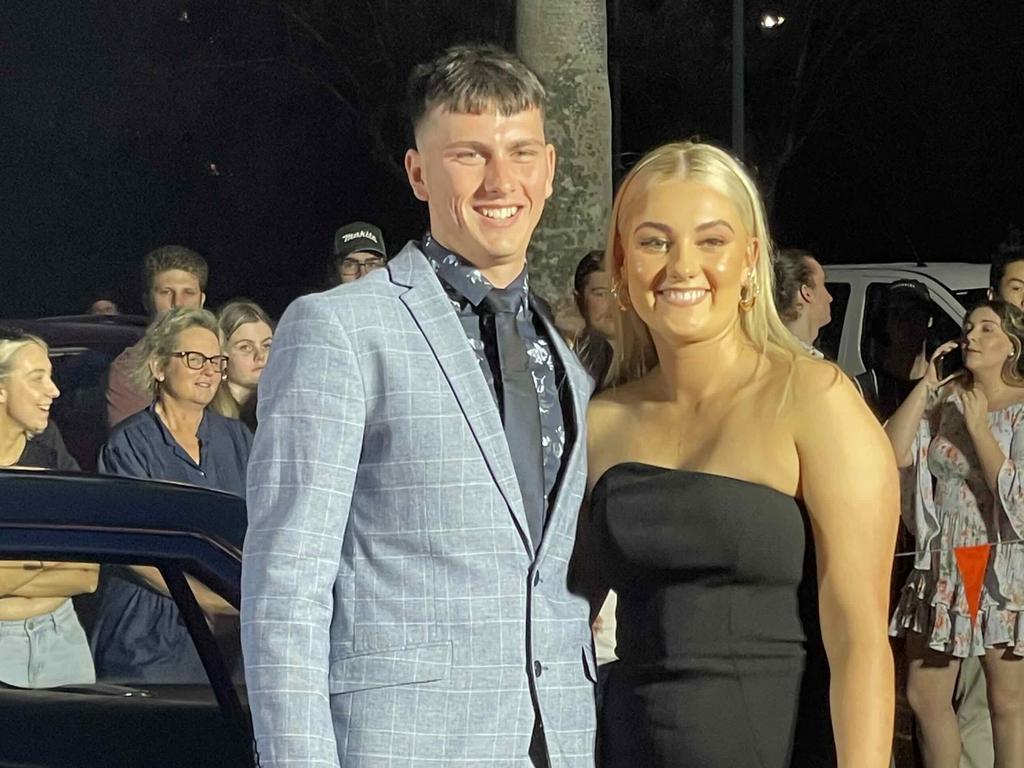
x,y
46,651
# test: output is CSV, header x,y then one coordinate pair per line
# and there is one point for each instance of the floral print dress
x,y
951,506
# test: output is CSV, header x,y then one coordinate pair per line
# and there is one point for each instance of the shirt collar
x,y
463,279
202,433
812,350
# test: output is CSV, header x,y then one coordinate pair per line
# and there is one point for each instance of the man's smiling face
x,y
485,178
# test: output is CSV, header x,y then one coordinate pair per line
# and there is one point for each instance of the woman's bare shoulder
x,y
617,398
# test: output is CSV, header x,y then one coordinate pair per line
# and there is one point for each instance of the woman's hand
x,y
975,410
931,375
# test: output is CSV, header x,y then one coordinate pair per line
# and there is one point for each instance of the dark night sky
x,y
111,112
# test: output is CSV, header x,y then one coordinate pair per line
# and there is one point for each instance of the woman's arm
x,y
33,578
903,424
990,455
850,486
1003,474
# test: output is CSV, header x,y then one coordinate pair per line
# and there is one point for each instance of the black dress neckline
x,y
712,476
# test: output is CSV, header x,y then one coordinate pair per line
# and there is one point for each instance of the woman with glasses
x,y
178,437
246,332
139,636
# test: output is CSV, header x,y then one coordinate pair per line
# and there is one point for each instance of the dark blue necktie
x,y
521,411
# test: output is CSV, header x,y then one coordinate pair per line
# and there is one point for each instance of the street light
x,y
770,21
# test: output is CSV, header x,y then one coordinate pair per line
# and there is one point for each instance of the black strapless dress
x,y
710,634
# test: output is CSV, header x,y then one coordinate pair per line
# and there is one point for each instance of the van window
x,y
830,336
902,326
971,297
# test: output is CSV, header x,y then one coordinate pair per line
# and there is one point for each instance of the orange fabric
x,y
973,561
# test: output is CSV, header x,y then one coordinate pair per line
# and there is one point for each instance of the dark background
x,y
249,130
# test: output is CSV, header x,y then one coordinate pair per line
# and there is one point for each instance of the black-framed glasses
x,y
350,266
196,360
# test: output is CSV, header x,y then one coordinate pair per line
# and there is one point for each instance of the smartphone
x,y
950,363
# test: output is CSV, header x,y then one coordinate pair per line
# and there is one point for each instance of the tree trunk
x,y
566,43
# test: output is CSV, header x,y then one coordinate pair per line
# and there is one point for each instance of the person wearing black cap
x,y
358,250
894,351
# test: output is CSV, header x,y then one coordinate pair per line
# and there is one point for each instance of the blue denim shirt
x,y
142,446
138,635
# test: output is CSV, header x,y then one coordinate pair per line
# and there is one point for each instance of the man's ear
x,y
549,188
991,294
414,171
805,294
202,299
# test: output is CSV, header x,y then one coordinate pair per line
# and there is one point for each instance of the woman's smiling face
x,y
686,255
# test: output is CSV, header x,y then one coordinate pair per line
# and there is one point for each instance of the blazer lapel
x,y
432,311
580,388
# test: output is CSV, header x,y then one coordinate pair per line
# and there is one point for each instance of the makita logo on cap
x,y
361,233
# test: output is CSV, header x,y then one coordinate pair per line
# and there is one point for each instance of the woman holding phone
x,y
963,432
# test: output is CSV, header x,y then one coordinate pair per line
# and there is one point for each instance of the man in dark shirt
x,y
417,474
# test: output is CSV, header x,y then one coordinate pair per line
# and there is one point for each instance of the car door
x,y
192,537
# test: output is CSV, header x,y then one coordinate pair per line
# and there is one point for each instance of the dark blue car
x,y
191,535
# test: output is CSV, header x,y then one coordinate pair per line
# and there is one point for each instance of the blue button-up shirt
x,y
142,446
466,288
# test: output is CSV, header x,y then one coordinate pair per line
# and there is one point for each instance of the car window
x,y
971,297
108,668
902,325
830,336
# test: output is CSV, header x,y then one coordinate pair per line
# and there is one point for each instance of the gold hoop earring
x,y
748,301
617,292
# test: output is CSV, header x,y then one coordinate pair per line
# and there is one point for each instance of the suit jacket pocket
x,y
394,666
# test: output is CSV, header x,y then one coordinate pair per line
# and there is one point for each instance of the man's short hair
x,y
792,271
168,257
998,269
589,264
474,79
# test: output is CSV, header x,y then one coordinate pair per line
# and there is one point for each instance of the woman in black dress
x,y
717,432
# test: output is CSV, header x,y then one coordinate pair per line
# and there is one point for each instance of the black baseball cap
x,y
909,289
359,237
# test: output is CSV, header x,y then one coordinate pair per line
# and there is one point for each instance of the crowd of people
x,y
450,499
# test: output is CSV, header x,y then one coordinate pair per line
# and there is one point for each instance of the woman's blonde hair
x,y
12,341
230,318
237,313
633,353
161,339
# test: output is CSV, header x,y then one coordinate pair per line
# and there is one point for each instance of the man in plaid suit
x,y
412,506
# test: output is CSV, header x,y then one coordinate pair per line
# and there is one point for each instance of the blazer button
x,y
537,669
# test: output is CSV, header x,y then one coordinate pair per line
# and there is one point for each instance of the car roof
x,y
957,276
84,330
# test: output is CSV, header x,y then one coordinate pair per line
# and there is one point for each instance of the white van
x,y
858,292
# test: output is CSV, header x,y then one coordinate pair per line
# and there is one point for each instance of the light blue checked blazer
x,y
393,611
